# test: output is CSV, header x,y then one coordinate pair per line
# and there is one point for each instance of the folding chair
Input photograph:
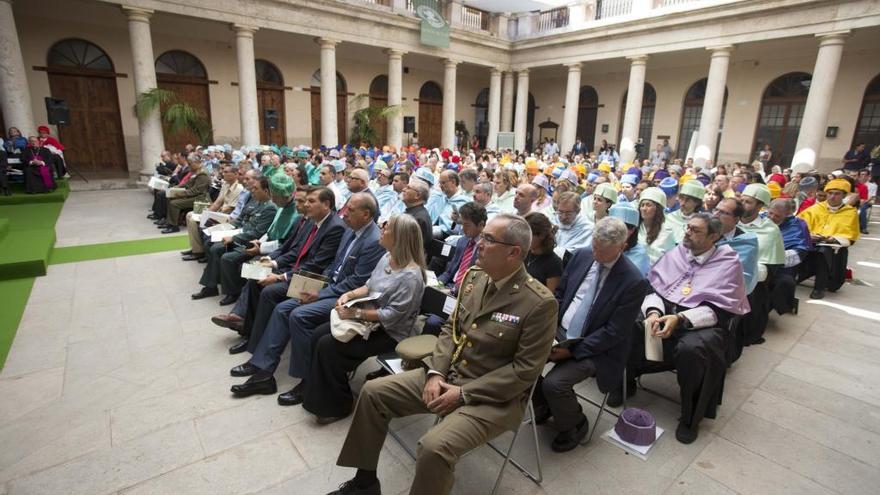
x,y
507,455
602,408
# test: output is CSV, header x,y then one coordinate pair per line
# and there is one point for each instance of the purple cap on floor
x,y
636,426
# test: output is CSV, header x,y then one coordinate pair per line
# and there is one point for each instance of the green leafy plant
x,y
365,118
176,114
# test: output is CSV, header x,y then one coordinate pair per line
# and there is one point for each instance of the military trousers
x,y
195,235
176,207
439,449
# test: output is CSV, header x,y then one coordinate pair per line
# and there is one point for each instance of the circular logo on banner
x,y
431,16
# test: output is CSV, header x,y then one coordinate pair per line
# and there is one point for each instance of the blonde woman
x,y
398,280
504,191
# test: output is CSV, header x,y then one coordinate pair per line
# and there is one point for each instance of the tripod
x,y
70,169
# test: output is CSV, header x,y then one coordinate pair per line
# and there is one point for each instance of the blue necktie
x,y
576,327
344,256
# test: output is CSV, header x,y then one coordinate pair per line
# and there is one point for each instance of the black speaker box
x,y
57,111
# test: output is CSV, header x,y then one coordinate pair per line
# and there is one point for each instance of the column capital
x,y
327,42
833,38
131,13
720,50
244,30
522,72
575,67
450,63
394,53
638,60
495,71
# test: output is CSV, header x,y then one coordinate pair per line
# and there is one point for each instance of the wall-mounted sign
x,y
434,28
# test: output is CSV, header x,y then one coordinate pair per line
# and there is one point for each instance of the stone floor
x,y
118,383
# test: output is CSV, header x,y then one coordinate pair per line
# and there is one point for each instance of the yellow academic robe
x,y
841,224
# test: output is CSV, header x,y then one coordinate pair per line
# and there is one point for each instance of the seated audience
x,y
698,288
524,198
604,196
834,226
37,163
414,196
443,203
690,200
797,244
654,232
195,189
599,296
573,231
225,203
477,380
541,262
635,251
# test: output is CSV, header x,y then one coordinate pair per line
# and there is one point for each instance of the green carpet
x,y
89,252
15,294
20,197
28,240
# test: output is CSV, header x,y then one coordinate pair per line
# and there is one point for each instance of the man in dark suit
x,y
294,319
312,252
599,298
415,195
472,218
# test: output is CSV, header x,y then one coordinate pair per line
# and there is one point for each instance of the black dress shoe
x,y
326,420
153,216
203,260
293,396
686,434
188,251
239,347
570,439
228,299
817,294
192,257
349,488
244,369
265,386
205,292
615,398
171,229
160,222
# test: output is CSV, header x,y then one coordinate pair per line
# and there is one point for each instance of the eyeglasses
x,y
490,239
693,230
566,213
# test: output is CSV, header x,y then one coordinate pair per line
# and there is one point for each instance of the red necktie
x,y
466,258
305,248
342,210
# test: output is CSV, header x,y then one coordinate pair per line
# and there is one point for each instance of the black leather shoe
x,y
817,294
349,488
244,369
203,260
205,292
188,251
153,216
160,222
239,347
171,229
193,257
570,439
615,398
293,396
685,434
251,387
326,420
228,299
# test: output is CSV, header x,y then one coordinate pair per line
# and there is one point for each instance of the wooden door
x,y
430,123
341,117
194,92
92,138
271,98
380,125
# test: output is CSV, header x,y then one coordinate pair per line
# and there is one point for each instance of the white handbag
x,y
345,330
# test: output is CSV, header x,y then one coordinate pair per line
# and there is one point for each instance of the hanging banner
x,y
435,29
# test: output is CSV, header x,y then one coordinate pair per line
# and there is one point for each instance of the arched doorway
x,y
691,113
868,125
481,117
530,120
82,74
430,114
185,75
341,108
646,119
588,110
379,99
782,109
270,103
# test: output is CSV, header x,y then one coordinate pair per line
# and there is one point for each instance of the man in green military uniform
x,y
196,190
487,357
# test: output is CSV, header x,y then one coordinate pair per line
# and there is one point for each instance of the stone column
x,y
395,97
447,135
507,103
713,105
15,94
812,132
248,108
570,113
633,113
144,71
329,134
494,113
522,109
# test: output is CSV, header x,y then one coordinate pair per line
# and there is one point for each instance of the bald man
x,y
526,194
358,180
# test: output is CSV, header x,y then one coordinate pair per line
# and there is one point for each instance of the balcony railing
x,y
612,8
383,3
551,19
472,18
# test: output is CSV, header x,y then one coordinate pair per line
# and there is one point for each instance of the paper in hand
x,y
653,345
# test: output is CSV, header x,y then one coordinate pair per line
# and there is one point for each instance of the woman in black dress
x,y
541,262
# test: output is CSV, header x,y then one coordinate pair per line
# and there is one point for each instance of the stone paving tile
x,y
21,394
828,379
109,470
267,461
257,416
746,472
808,458
693,482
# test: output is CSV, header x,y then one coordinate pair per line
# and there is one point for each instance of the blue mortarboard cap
x,y
669,186
625,212
631,179
425,174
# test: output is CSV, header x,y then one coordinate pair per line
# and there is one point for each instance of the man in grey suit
x,y
295,320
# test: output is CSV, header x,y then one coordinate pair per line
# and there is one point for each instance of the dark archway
x,y
430,114
588,111
270,103
341,108
379,99
782,109
868,125
185,75
646,119
481,117
692,111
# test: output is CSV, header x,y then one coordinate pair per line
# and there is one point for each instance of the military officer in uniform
x,y
489,354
